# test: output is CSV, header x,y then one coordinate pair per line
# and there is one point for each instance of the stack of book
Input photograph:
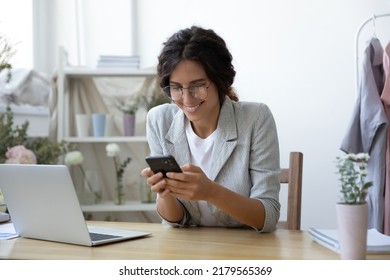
x,y
118,61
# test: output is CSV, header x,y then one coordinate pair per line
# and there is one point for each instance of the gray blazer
x,y
245,155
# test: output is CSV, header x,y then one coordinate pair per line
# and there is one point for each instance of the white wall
x,y
296,56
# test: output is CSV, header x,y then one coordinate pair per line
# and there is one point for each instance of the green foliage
x,y
154,99
352,170
10,135
128,104
46,151
6,53
151,94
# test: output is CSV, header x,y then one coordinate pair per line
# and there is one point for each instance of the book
x,y
7,231
377,243
118,61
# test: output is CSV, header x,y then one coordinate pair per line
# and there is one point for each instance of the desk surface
x,y
179,243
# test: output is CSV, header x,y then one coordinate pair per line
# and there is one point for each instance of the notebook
x,y
43,204
377,243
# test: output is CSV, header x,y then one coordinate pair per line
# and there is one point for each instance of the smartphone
x,y
163,164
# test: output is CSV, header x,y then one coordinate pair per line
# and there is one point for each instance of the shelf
x,y
109,206
107,72
130,139
66,73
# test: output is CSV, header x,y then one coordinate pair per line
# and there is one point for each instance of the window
x,y
16,24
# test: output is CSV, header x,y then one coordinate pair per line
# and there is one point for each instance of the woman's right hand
x,y
167,205
156,181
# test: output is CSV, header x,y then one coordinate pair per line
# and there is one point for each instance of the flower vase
x,y
147,196
91,192
352,221
128,124
119,192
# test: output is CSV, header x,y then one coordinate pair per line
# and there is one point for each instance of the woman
x,y
228,150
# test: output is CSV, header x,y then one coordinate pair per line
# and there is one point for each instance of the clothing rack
x,y
357,40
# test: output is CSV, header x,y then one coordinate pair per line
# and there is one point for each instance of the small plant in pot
x,y
129,106
352,210
352,170
151,95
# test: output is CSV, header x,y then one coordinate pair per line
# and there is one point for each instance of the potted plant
x,y
128,106
151,94
114,151
90,193
352,210
45,150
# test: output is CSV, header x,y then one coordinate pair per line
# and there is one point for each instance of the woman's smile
x,y
193,108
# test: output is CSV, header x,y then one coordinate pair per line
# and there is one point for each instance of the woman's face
x,y
203,113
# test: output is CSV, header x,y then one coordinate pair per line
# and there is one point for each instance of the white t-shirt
x,y
201,151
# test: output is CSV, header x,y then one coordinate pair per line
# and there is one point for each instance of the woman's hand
x,y
156,181
192,184
167,204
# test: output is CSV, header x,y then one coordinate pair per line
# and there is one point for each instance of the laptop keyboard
x,y
100,236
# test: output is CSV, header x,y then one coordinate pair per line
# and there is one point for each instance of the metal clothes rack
x,y
357,40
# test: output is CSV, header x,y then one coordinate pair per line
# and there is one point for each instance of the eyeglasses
x,y
196,91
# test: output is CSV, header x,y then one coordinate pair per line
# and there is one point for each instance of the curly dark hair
x,y
205,47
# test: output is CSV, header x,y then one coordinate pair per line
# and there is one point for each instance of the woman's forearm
x,y
170,209
247,210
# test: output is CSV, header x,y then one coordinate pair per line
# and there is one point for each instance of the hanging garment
x,y
368,127
386,102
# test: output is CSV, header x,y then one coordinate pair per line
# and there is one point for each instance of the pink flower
x,y
19,154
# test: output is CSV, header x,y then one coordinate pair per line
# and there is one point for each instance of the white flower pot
x,y
352,221
83,125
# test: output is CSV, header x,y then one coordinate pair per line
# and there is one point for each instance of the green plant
x,y
10,135
155,99
46,151
148,96
76,158
128,104
151,94
114,151
352,171
6,53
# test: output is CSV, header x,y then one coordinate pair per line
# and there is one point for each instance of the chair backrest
x,y
292,178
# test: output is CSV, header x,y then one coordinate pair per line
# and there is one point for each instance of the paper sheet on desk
x,y
7,231
376,242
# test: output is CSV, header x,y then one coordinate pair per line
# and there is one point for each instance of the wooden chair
x,y
292,178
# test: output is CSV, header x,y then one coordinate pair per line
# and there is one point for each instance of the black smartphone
x,y
163,164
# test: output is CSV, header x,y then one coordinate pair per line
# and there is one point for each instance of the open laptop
x,y
43,204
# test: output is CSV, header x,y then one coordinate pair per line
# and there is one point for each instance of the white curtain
x,y
88,95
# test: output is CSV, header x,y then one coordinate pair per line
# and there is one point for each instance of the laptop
x,y
43,204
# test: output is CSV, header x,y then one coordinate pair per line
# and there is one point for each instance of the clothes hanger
x,y
373,18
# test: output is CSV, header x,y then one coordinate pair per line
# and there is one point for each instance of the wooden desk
x,y
179,243
109,206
